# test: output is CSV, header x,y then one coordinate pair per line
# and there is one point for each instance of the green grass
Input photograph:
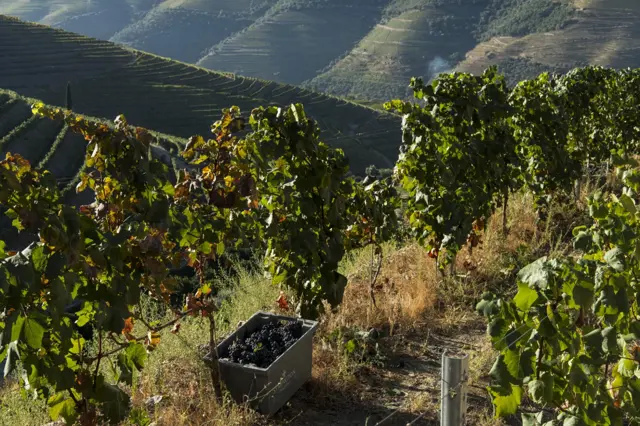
x,y
17,410
173,97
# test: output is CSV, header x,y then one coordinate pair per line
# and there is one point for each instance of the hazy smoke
x,y
438,65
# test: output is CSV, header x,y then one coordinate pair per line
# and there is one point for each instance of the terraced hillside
x,y
603,33
361,49
187,29
364,49
424,38
96,18
162,31
150,25
294,40
49,145
169,96
410,42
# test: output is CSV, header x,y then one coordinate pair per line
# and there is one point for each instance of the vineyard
x,y
603,34
393,51
556,281
373,47
169,96
48,144
260,49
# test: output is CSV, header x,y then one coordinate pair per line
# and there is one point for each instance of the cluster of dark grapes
x,y
266,344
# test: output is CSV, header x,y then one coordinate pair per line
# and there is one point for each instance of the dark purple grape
x,y
266,344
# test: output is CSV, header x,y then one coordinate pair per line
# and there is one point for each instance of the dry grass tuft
x,y
484,418
410,291
333,379
522,229
405,290
481,358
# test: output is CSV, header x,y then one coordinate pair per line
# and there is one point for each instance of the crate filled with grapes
x,y
266,360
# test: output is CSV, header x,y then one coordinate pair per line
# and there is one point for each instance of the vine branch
x,y
141,338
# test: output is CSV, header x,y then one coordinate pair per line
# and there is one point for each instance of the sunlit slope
x,y
95,18
421,38
293,44
225,7
186,29
49,145
35,10
360,49
178,33
603,33
416,42
173,97
142,23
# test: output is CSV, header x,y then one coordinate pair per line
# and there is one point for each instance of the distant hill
x,y
173,97
49,145
361,49
601,32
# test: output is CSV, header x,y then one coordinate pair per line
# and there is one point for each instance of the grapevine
x,y
470,142
457,157
235,191
541,129
569,336
374,221
305,189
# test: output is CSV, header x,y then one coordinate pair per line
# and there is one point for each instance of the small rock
x,y
362,334
152,402
58,423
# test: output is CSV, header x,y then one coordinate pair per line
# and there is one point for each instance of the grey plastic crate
x,y
268,389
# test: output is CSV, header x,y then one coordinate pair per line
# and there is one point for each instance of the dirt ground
x,y
396,392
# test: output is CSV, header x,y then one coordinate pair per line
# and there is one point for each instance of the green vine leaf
x,y
536,274
59,406
33,333
506,403
615,259
525,298
532,419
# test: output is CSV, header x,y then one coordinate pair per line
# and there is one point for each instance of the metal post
x,y
453,408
